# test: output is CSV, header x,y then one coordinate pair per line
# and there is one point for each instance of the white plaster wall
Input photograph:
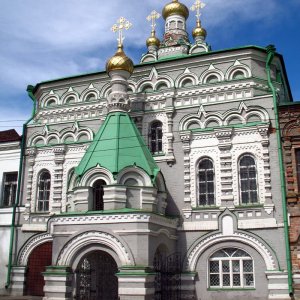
x,y
9,162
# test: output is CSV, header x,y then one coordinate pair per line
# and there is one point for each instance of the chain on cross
x,y
152,18
122,24
198,5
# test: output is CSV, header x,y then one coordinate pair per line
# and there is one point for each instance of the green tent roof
x,y
118,144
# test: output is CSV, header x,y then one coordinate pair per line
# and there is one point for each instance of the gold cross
x,y
122,24
152,18
198,5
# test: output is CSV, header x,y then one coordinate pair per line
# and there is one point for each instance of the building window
x,y
9,189
206,178
297,152
231,268
248,180
44,186
98,193
155,137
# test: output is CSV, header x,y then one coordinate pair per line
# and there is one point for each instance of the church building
x,y
159,180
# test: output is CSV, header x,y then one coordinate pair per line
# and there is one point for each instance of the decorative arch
x,y
105,91
143,88
94,174
212,71
136,173
49,97
186,76
162,82
238,67
30,245
69,252
68,94
90,91
197,250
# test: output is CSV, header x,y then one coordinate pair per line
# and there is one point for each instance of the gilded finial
x,y
152,18
198,32
122,24
197,6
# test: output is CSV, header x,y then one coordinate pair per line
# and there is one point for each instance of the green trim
x,y
30,90
118,145
249,206
66,143
271,53
262,49
132,274
57,274
213,207
230,289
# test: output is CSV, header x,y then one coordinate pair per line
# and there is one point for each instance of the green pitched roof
x,y
118,144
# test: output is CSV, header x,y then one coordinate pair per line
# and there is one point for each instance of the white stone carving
x,y
30,245
71,249
244,238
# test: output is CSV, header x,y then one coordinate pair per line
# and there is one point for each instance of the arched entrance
x,y
96,277
39,259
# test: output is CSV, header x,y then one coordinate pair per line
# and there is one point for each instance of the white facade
x,y
9,162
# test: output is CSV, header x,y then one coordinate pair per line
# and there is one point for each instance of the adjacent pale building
x,y
9,167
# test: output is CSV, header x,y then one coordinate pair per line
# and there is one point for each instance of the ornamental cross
x,y
198,5
152,18
122,24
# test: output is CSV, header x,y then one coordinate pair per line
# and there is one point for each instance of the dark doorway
x,y
96,277
168,276
39,259
98,193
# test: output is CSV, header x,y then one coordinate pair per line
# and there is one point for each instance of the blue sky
x,y
48,39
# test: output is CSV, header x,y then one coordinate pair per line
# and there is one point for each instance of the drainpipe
x,y
271,53
16,204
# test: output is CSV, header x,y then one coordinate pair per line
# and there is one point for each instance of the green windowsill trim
x,y
230,289
125,274
158,154
250,206
58,267
206,207
138,267
57,274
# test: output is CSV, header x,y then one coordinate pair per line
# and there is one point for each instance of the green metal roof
x,y
118,144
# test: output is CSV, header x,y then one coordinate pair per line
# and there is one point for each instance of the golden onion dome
x,y
153,40
119,62
175,8
199,31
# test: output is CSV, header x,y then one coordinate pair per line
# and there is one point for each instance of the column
x,y
59,158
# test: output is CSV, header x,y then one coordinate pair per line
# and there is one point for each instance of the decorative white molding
x,y
30,245
70,250
204,244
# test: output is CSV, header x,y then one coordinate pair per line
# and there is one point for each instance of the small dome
x,y
119,62
199,31
153,40
175,8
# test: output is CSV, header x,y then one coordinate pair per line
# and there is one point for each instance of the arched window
x,y
212,79
44,186
231,268
70,100
161,86
155,137
248,180
187,82
206,178
91,97
98,193
147,89
238,75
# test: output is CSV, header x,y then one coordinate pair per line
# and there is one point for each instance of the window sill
x,y
255,205
205,207
163,157
229,289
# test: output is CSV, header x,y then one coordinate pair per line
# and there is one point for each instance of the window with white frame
x,y
155,137
44,186
206,181
231,268
9,189
248,180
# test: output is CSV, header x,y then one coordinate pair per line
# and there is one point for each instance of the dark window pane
x,y
226,280
214,280
236,280
225,266
214,267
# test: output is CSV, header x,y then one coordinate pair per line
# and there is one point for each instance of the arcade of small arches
x,y
161,82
